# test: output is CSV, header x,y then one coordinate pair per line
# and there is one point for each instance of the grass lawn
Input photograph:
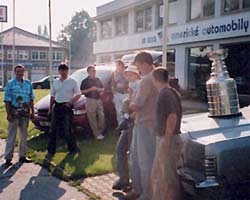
x,y
95,157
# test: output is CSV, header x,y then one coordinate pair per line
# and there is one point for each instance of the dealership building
x,y
31,51
195,27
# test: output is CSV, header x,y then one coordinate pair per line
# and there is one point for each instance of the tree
x,y
79,31
45,31
39,30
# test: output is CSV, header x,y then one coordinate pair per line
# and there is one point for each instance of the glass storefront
x,y
238,65
199,69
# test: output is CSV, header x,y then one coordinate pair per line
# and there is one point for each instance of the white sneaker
x,y
100,137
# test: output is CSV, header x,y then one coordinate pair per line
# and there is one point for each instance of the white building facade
x,y
195,27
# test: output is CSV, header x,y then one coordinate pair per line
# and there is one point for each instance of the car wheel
x,y
38,87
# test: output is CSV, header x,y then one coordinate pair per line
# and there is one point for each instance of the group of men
x,y
156,109
155,145
65,92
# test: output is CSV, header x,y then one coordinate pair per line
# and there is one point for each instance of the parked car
x,y
215,161
41,118
44,83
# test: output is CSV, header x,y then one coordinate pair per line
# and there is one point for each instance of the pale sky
x,y
31,13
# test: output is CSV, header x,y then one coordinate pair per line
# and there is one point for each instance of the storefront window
x,y
199,69
201,8
238,65
246,4
106,29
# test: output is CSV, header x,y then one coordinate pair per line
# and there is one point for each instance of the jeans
x,y
22,123
122,148
62,118
142,157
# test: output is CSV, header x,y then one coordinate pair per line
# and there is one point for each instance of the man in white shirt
x,y
65,92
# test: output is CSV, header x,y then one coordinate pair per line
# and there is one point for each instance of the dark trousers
x,y
62,117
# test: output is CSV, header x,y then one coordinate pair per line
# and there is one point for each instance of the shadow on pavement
x,y
42,187
6,172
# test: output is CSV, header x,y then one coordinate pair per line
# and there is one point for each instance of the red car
x,y
42,121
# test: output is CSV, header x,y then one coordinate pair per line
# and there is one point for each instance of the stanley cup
x,y
221,89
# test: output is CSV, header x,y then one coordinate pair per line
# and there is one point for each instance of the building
x,y
195,27
32,51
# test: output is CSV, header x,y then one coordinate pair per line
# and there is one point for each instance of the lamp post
x,y
165,34
50,46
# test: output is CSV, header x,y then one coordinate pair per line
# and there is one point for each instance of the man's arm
x,y
32,108
93,88
170,127
52,101
8,111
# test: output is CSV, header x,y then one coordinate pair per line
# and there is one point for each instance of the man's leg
x,y
100,116
53,131
69,136
23,124
135,169
122,148
146,151
91,107
11,139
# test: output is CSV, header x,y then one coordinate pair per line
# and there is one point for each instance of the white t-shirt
x,y
65,91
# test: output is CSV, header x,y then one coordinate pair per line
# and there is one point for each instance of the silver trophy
x,y
221,89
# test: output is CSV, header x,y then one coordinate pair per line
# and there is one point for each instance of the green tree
x,y
45,31
79,32
39,30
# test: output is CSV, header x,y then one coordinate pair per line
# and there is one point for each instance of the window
x,y
198,68
235,5
23,55
34,55
143,19
106,29
39,55
160,14
58,56
246,4
172,12
10,54
121,25
1,54
43,55
201,8
148,19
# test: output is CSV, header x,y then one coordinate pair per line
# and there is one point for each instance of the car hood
x,y
44,103
207,130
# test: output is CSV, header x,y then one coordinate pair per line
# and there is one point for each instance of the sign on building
x,y
3,13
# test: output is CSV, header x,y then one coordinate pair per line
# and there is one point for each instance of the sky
x,y
31,13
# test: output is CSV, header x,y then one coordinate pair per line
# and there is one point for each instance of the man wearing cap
x,y
126,128
65,92
18,98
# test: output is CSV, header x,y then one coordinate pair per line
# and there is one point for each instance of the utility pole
x,y
50,46
14,38
165,33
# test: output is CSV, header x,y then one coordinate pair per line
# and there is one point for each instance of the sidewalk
x,y
30,181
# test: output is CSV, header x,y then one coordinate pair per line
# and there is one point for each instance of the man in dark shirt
x,y
165,183
91,88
